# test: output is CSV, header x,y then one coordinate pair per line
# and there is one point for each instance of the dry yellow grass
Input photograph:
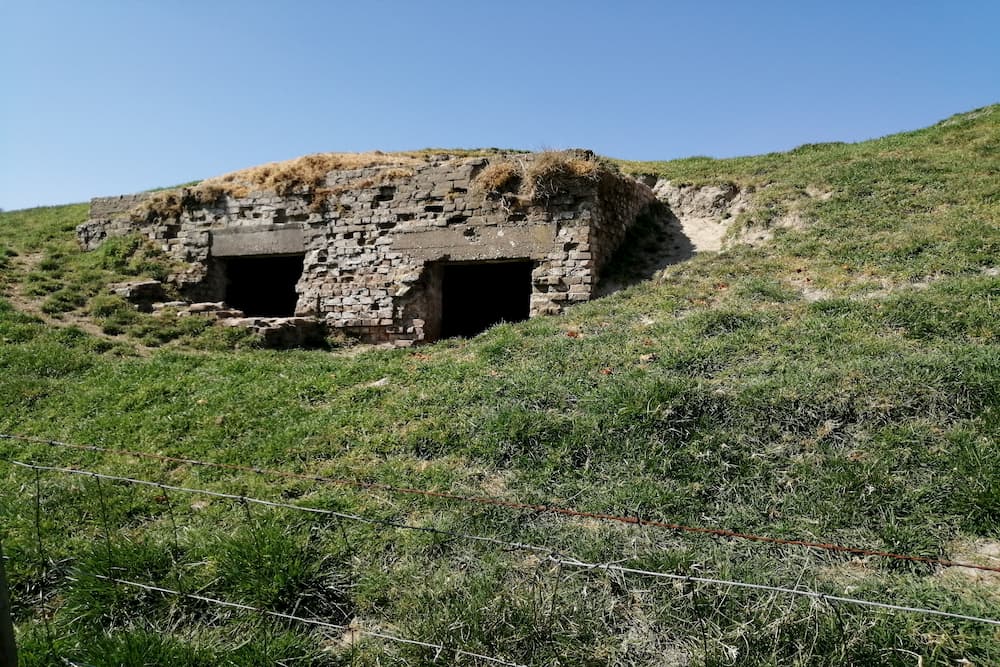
x,y
541,178
550,171
309,172
306,174
499,177
171,203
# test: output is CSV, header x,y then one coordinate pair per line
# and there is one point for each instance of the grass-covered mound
x,y
838,384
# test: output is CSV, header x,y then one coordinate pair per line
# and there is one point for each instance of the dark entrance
x,y
476,296
263,286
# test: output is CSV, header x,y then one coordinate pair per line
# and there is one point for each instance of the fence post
x,y
8,650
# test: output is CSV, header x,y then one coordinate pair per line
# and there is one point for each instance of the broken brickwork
x,y
375,242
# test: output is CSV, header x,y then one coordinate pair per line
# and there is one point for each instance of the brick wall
x,y
372,239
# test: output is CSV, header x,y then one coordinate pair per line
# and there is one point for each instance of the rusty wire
x,y
509,504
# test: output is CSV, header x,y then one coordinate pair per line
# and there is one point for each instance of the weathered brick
x,y
356,272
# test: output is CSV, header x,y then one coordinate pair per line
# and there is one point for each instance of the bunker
x,y
398,248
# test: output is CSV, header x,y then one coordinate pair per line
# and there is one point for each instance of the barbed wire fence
x,y
546,554
497,502
112,565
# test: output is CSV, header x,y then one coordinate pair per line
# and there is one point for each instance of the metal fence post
x,y
8,650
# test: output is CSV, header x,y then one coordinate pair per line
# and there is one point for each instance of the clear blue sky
x,y
104,97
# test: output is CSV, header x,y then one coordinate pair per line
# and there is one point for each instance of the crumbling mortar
x,y
365,268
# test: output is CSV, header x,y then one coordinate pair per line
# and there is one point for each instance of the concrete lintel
x,y
265,240
486,243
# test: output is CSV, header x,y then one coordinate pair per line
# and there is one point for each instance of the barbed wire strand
x,y
272,503
303,619
497,502
775,589
552,554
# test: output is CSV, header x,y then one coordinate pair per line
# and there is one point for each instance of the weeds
x,y
308,173
552,172
549,174
499,178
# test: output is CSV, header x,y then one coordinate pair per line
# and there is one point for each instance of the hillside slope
x,y
838,383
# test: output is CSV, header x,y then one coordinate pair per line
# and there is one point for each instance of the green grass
x,y
725,394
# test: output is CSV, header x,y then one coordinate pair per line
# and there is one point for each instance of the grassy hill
x,y
838,384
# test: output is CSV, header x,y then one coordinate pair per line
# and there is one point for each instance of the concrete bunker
x,y
399,248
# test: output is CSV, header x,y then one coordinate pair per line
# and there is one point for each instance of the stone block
x,y
141,293
206,306
163,305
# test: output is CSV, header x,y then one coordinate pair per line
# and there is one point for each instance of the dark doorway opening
x,y
263,286
478,295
